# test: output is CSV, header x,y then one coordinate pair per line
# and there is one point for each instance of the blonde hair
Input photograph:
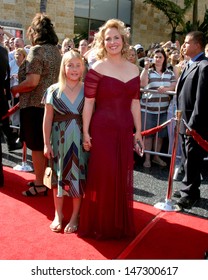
x,y
22,51
62,75
100,37
132,48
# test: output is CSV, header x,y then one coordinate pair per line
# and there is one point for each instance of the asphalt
x,y
150,185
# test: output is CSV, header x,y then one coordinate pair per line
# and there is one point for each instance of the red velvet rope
x,y
203,143
11,111
155,129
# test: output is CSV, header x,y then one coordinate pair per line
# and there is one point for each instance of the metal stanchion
x,y
168,204
24,166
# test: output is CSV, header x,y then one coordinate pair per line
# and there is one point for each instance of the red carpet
x,y
25,233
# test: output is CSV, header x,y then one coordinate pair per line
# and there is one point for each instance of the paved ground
x,y
150,185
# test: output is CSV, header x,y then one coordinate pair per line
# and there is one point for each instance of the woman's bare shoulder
x,y
98,66
133,67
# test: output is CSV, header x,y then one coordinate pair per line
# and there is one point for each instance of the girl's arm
x,y
47,126
86,116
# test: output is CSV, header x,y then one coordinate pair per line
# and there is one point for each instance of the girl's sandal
x,y
70,228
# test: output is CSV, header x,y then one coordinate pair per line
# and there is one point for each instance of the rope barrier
x,y
203,143
168,204
11,111
156,129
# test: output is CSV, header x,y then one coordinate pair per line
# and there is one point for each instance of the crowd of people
x,y
82,109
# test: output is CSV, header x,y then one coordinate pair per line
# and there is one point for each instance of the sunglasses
x,y
139,51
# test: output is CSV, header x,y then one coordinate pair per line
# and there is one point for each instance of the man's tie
x,y
186,69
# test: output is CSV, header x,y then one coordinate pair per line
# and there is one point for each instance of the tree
x,y
43,5
188,27
172,11
195,14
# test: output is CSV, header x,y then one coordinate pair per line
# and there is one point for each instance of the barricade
x,y
171,94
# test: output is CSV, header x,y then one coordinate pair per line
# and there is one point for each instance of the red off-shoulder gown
x,y
106,211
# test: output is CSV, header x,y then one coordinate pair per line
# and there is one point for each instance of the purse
x,y
49,178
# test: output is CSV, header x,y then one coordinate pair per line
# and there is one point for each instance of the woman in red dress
x,y
110,115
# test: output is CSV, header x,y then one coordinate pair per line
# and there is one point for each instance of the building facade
x,y
83,17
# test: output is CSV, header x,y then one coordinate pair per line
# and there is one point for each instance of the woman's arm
x,y
136,112
163,89
31,82
144,77
86,116
47,126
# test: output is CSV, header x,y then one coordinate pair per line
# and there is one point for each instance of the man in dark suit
x,y
192,100
5,95
4,85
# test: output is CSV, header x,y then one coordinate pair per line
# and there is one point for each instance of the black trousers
x,y
1,166
192,157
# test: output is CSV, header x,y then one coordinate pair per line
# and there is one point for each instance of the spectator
x,y
154,106
18,43
91,54
4,33
5,96
11,44
36,74
4,83
206,50
83,46
132,57
140,54
66,45
19,57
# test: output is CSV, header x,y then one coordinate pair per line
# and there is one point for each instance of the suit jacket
x,y
192,96
4,81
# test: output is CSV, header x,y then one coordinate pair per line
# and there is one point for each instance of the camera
x,y
151,60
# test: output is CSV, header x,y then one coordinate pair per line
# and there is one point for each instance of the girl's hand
x,y
87,142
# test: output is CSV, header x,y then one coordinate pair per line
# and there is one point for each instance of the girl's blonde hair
x,y
62,75
100,37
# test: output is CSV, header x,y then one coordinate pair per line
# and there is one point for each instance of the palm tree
x,y
172,11
43,5
198,26
195,14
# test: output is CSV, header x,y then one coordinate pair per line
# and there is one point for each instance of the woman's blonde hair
x,y
73,53
22,51
100,37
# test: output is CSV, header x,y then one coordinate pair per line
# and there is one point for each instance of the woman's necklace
x,y
72,88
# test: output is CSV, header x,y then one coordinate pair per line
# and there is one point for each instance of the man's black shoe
x,y
177,194
185,202
15,146
1,177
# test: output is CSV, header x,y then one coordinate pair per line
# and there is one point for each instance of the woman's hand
x,y
162,89
87,142
14,91
138,143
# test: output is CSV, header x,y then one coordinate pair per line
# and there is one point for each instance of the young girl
x,y
62,130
